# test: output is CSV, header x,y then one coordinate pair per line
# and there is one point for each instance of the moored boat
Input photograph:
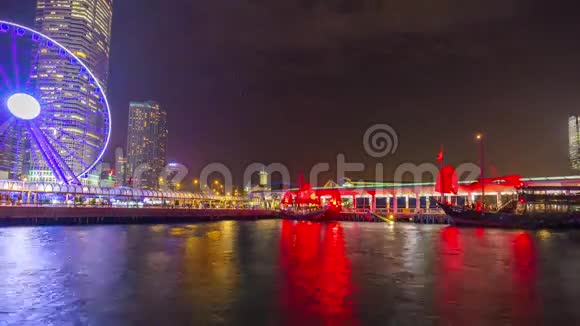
x,y
305,204
533,207
314,215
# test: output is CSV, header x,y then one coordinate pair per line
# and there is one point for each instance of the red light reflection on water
x,y
480,233
451,248
488,278
450,272
524,255
317,274
524,273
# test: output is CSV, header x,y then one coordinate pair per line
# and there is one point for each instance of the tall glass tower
x,y
84,28
146,144
574,142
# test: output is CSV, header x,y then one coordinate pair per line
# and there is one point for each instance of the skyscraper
x,y
81,26
574,142
146,144
84,28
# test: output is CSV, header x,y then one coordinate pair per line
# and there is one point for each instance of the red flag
x,y
440,155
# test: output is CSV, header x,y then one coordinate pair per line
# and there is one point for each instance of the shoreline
x,y
43,216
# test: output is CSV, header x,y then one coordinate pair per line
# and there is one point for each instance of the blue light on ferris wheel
x,y
33,116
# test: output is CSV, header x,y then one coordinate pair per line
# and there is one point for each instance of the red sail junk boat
x,y
306,203
530,207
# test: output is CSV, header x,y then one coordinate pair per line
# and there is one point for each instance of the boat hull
x,y
466,217
315,216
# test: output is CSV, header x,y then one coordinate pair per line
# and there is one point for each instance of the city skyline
x,y
238,100
289,162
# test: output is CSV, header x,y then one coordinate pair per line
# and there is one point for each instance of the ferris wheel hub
x,y
23,106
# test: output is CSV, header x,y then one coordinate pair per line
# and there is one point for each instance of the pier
x,y
22,216
430,219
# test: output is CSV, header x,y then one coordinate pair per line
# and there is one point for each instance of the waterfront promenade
x,y
17,216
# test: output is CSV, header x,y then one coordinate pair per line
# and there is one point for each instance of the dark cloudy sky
x,y
299,81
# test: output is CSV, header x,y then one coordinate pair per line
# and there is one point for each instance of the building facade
x,y
84,28
120,167
81,26
574,142
146,144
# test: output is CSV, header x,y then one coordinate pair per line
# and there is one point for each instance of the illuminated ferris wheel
x,y
54,117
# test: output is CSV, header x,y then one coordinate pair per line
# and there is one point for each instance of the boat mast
x,y
479,137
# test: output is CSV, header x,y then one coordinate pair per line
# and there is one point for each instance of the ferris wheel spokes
x,y
64,148
56,163
15,60
4,126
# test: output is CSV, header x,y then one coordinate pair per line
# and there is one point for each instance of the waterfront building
x,y
263,179
172,175
574,142
107,178
84,28
146,144
120,167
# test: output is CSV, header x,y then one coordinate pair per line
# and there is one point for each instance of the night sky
x,y
299,81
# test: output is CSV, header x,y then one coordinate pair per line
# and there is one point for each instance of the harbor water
x,y
273,272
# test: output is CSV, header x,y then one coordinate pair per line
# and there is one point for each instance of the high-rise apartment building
x,y
146,144
574,142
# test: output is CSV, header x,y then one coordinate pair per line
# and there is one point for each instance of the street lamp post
x,y
216,185
479,137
